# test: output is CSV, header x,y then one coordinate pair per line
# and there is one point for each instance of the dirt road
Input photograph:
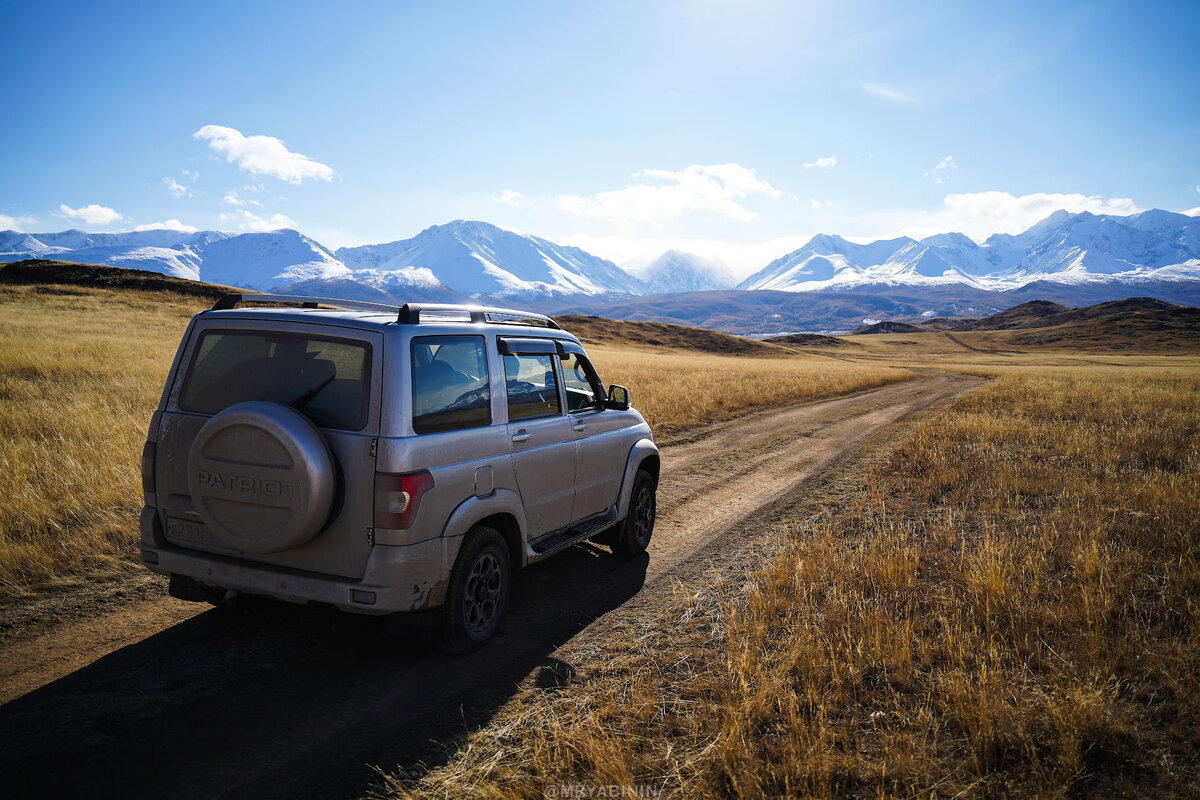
x,y
167,699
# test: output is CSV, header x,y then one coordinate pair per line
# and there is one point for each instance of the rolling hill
x,y
597,330
590,330
1137,323
61,273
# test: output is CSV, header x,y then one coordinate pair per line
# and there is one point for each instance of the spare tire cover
x,y
262,477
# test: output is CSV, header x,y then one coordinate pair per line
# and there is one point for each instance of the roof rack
x,y
407,314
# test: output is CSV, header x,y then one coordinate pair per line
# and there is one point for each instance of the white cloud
x,y
253,223
1193,212
815,204
263,155
8,223
178,189
887,93
169,225
821,163
938,173
510,198
235,198
980,214
91,214
663,194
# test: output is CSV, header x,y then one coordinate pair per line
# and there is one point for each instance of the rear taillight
x,y
398,496
148,468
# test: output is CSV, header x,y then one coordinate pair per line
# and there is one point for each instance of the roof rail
x,y
230,300
410,313
407,314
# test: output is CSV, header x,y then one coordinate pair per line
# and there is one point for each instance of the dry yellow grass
x,y
678,390
990,349
81,370
80,373
1008,606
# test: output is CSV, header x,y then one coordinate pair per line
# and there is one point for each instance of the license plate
x,y
182,531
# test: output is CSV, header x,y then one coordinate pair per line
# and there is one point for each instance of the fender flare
x,y
474,509
641,450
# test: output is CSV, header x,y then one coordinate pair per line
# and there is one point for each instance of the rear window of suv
x,y
326,379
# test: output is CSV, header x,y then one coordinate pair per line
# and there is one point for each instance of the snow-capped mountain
x,y
452,261
674,271
249,260
170,252
268,260
465,259
479,258
1063,248
830,261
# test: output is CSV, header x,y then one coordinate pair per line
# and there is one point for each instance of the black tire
x,y
633,535
477,595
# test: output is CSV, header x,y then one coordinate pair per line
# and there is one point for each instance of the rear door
x,y
328,373
539,433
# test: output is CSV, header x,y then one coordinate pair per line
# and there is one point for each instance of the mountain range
x,y
1063,248
1080,257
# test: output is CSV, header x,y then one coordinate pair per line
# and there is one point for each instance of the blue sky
x,y
736,129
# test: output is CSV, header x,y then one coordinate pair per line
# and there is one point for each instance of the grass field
x,y
81,370
680,390
80,373
1007,606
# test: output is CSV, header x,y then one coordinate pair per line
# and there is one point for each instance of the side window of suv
x,y
449,383
583,386
532,387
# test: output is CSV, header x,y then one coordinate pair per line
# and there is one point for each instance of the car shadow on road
x,y
292,701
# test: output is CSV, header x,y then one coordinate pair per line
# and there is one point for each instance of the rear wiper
x,y
303,399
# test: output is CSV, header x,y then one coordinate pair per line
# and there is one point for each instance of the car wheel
x,y
478,592
638,527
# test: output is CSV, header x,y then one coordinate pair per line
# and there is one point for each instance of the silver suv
x,y
383,459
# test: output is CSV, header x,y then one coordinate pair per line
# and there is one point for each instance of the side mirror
x,y
618,398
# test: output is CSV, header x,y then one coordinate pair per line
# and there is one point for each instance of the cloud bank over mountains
x,y
718,190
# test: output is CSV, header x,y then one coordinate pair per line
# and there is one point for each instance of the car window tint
x,y
532,387
449,383
326,379
583,387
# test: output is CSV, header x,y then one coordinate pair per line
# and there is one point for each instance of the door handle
x,y
579,427
521,436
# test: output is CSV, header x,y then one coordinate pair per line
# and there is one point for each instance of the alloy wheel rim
x,y
484,586
643,515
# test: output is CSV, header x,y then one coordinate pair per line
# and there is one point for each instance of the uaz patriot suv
x,y
385,459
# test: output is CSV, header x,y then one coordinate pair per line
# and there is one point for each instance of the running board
x,y
556,539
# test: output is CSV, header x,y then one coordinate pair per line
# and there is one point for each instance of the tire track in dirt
x,y
711,484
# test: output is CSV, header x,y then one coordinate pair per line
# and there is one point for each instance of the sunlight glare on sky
x,y
732,129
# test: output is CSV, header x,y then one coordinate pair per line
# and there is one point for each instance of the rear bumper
x,y
397,577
